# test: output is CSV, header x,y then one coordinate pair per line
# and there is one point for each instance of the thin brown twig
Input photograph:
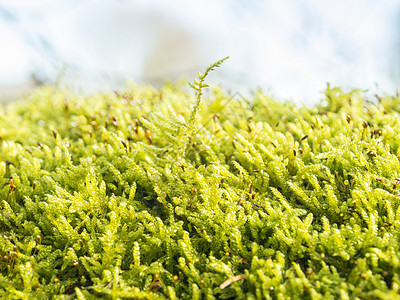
x,y
231,280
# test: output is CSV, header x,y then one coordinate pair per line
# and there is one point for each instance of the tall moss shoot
x,y
141,195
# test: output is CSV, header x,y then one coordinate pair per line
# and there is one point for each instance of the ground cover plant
x,y
160,193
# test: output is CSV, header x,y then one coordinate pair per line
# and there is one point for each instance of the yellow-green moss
x,y
138,195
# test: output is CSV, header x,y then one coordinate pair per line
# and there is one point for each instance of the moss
x,y
139,195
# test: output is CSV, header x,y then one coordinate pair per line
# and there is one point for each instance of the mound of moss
x,y
143,195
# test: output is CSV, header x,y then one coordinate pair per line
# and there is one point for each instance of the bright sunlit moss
x,y
141,195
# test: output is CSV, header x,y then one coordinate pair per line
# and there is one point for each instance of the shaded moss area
x,y
140,195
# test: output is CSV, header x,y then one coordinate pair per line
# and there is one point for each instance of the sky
x,y
289,48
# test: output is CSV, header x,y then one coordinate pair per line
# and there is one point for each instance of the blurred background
x,y
289,48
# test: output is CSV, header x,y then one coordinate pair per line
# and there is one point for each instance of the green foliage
x,y
141,195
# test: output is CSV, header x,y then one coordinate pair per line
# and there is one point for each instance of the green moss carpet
x,y
152,194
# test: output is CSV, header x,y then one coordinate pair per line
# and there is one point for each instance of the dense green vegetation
x,y
164,194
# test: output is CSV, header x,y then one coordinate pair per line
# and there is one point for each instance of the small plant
x,y
143,195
